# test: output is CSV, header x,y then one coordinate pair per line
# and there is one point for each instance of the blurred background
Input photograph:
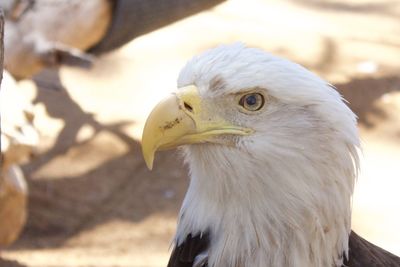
x,y
82,77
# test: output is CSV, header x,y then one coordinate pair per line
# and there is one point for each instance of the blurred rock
x,y
45,33
55,32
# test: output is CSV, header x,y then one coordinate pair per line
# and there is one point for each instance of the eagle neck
x,y
257,218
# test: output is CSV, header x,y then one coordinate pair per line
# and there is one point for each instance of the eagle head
x,y
272,153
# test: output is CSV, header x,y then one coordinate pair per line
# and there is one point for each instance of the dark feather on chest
x,y
361,253
364,254
185,254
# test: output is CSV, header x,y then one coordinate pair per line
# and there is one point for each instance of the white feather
x,y
282,196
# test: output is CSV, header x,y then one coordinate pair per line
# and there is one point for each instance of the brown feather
x,y
361,253
185,254
365,254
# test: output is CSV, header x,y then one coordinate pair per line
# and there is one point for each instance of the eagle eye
x,y
252,101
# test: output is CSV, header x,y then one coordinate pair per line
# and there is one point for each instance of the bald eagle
x,y
273,156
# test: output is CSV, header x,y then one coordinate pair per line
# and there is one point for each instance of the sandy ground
x,y
92,200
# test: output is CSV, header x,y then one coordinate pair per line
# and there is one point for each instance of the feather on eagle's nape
x,y
272,151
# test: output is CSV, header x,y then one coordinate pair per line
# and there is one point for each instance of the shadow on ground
x,y
362,94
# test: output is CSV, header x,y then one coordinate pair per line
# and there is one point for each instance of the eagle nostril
x,y
188,107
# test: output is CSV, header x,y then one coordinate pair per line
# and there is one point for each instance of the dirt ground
x,y
93,202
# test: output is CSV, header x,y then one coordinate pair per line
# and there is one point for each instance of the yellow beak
x,y
183,118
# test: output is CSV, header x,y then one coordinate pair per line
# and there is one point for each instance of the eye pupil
x,y
251,100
